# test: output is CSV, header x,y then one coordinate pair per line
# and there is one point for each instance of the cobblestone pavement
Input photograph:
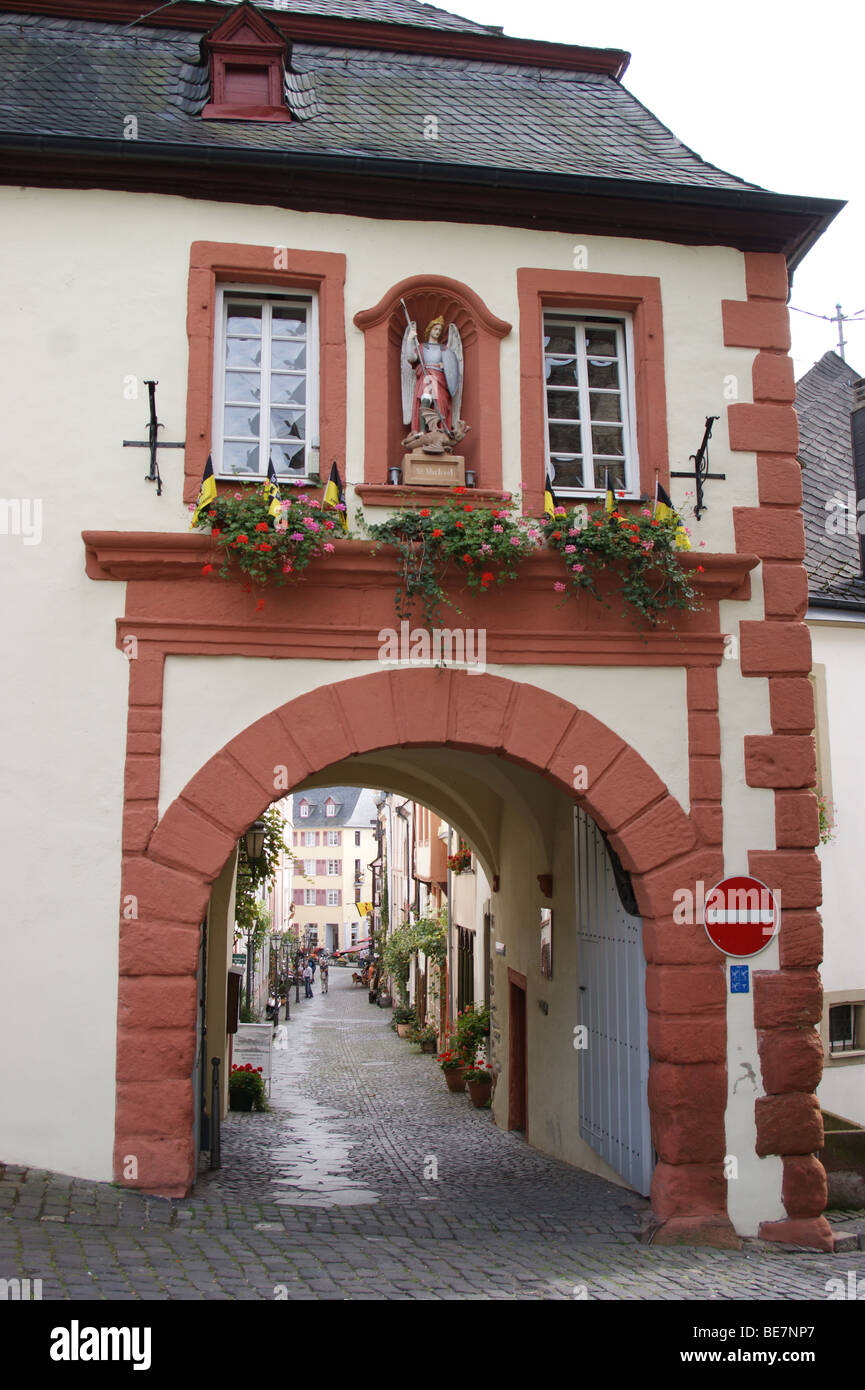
x,y
332,1194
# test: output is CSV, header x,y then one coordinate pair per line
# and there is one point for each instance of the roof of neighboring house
x,y
65,77
824,401
355,806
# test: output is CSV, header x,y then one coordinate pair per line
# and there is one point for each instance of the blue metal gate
x,y
611,1005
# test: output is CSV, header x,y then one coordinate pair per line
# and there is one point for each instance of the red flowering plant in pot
x,y
267,546
477,545
479,1080
246,1088
453,1063
640,550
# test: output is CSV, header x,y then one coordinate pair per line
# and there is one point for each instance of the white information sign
x,y
253,1043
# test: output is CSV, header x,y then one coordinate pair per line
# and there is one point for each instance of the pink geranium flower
x,y
559,587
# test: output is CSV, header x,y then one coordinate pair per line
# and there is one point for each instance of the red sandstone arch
x,y
171,880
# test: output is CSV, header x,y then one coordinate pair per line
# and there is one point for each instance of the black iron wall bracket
x,y
701,472
152,442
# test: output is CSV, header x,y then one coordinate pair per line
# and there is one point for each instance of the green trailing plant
x,y
826,820
481,546
428,935
640,549
267,549
404,1013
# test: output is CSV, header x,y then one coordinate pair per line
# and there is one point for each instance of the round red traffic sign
x,y
741,916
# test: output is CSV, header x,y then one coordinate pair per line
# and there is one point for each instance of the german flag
x,y
334,495
271,490
550,502
609,500
664,511
206,493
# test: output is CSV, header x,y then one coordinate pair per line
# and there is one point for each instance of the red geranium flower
x,y
242,540
215,531
460,489
557,535
468,507
487,578
262,526
460,524
264,545
699,569
467,560
438,533
425,511
205,569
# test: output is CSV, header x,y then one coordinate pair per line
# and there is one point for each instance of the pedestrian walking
x,y
307,981
323,973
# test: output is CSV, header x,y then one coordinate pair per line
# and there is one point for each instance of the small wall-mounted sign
x,y
500,948
740,982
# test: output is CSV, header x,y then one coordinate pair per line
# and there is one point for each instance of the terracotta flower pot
x,y
428,1047
480,1092
403,1029
456,1078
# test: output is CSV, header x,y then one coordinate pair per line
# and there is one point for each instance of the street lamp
x,y
254,840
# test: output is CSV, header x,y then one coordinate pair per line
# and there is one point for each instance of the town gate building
x,y
243,205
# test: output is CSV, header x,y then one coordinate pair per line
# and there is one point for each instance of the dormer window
x,y
247,57
330,807
304,808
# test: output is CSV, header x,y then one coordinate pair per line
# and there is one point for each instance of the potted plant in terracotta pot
x,y
479,1080
404,1017
246,1088
453,1064
427,1037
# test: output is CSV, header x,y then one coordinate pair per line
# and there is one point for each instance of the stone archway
x,y
169,884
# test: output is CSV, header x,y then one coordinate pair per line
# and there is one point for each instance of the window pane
x,y
601,342
240,458
243,352
242,420
607,440
242,386
558,337
291,322
565,439
244,318
605,405
602,373
287,424
288,353
561,373
563,405
289,389
567,473
610,474
288,458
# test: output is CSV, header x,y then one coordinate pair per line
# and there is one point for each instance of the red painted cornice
x,y
344,33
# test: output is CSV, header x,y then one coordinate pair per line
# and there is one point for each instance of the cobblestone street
x,y
330,1195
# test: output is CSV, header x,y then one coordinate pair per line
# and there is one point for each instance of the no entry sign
x,y
741,916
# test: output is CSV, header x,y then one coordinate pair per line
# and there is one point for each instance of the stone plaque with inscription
x,y
440,470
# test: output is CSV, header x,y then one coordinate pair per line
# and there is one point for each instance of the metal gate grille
x,y
611,1004
465,967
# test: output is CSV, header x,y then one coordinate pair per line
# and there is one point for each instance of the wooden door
x,y
518,1072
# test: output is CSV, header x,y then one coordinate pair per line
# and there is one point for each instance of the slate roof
x,y
410,12
75,78
824,401
354,806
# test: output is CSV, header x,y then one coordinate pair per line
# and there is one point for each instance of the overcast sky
x,y
771,90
